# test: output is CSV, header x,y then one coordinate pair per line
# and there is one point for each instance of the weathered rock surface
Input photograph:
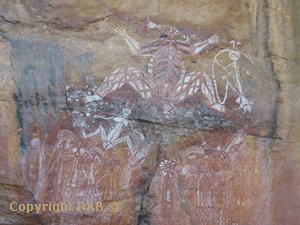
x,y
156,142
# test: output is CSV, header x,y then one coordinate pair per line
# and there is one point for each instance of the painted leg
x,y
123,139
117,79
245,104
99,129
188,85
208,89
191,83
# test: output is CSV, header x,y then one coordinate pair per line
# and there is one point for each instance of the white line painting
x,y
166,81
170,197
110,182
167,169
164,197
92,162
209,178
232,63
78,170
40,179
96,172
66,159
138,157
112,138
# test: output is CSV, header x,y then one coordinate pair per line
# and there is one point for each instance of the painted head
x,y
126,112
170,31
234,55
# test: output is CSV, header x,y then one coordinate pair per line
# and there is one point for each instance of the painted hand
x,y
121,30
219,107
213,39
244,103
91,98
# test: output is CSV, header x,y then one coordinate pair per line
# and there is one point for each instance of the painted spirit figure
x,y
112,139
166,81
238,70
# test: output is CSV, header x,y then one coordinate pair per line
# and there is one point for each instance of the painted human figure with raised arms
x,y
166,81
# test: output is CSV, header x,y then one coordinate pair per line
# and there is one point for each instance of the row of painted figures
x,y
89,174
209,188
167,83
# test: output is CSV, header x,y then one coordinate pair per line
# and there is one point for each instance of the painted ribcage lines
x,y
166,66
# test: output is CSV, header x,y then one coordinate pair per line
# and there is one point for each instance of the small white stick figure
x,y
112,139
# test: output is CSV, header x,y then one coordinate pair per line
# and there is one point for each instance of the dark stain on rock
x,y
20,113
37,66
82,61
143,219
37,70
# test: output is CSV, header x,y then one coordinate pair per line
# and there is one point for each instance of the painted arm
x,y
187,48
199,46
136,131
138,49
105,118
133,44
99,129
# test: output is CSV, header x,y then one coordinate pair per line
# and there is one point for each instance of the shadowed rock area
x,y
149,112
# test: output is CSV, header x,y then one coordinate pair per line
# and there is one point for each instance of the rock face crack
x,y
9,21
144,214
100,19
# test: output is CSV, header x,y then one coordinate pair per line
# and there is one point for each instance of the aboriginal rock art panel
x,y
101,155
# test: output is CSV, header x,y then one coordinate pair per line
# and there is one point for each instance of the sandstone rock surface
x,y
176,136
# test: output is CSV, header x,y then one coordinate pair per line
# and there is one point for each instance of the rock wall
x,y
158,112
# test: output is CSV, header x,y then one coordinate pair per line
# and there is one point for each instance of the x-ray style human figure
x,y
167,170
207,189
112,139
64,145
92,161
166,81
201,187
233,76
168,194
66,168
110,182
91,166
37,174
